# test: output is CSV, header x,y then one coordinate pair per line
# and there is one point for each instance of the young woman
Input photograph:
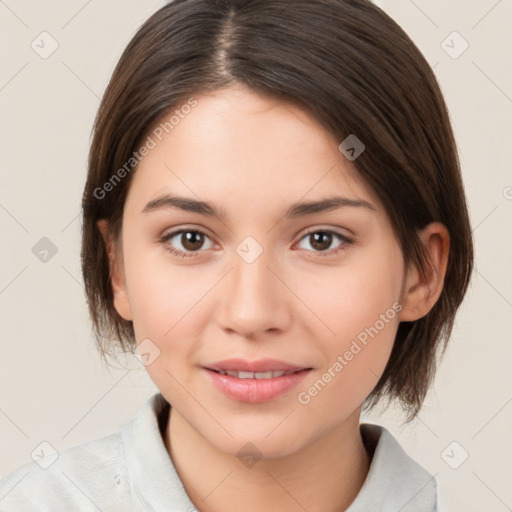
x,y
274,220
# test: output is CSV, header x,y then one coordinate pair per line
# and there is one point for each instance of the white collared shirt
x,y
131,470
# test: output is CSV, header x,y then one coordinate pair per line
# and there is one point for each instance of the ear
x,y
420,293
117,277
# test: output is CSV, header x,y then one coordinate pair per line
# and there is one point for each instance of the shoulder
x,y
112,473
75,477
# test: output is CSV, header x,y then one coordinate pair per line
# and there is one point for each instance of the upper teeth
x,y
252,375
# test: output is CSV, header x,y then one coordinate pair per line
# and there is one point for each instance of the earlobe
x,y
421,292
117,278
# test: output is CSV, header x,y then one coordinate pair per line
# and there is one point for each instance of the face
x,y
315,295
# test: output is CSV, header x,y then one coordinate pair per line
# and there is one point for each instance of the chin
x,y
251,448
265,441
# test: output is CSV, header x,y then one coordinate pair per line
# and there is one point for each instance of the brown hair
x,y
351,67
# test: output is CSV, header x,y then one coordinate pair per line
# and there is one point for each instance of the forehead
x,y
235,143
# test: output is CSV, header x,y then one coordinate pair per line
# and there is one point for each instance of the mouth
x,y
261,368
239,374
255,382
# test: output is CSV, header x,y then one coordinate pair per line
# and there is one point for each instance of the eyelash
x,y
165,238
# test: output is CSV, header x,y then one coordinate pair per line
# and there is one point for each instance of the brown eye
x,y
192,240
321,240
185,242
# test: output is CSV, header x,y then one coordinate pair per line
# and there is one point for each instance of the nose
x,y
254,298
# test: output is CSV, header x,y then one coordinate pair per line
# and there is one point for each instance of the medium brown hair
x,y
349,65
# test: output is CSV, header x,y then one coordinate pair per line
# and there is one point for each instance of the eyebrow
x,y
296,210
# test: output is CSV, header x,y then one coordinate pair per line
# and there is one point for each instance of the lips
x,y
253,375
254,381
256,367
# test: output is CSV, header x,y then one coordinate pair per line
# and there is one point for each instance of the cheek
x,y
169,306
355,356
166,306
353,296
162,293
359,308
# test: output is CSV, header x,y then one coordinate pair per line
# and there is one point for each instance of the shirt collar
x,y
395,482
154,482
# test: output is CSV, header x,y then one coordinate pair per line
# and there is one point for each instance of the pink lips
x,y
262,365
255,390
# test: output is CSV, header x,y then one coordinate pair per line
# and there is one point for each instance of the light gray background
x,y
53,386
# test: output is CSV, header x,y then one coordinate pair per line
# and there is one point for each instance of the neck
x,y
326,475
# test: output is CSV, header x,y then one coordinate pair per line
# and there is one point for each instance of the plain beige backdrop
x,y
53,386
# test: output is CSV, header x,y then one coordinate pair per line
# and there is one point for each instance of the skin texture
x,y
253,157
